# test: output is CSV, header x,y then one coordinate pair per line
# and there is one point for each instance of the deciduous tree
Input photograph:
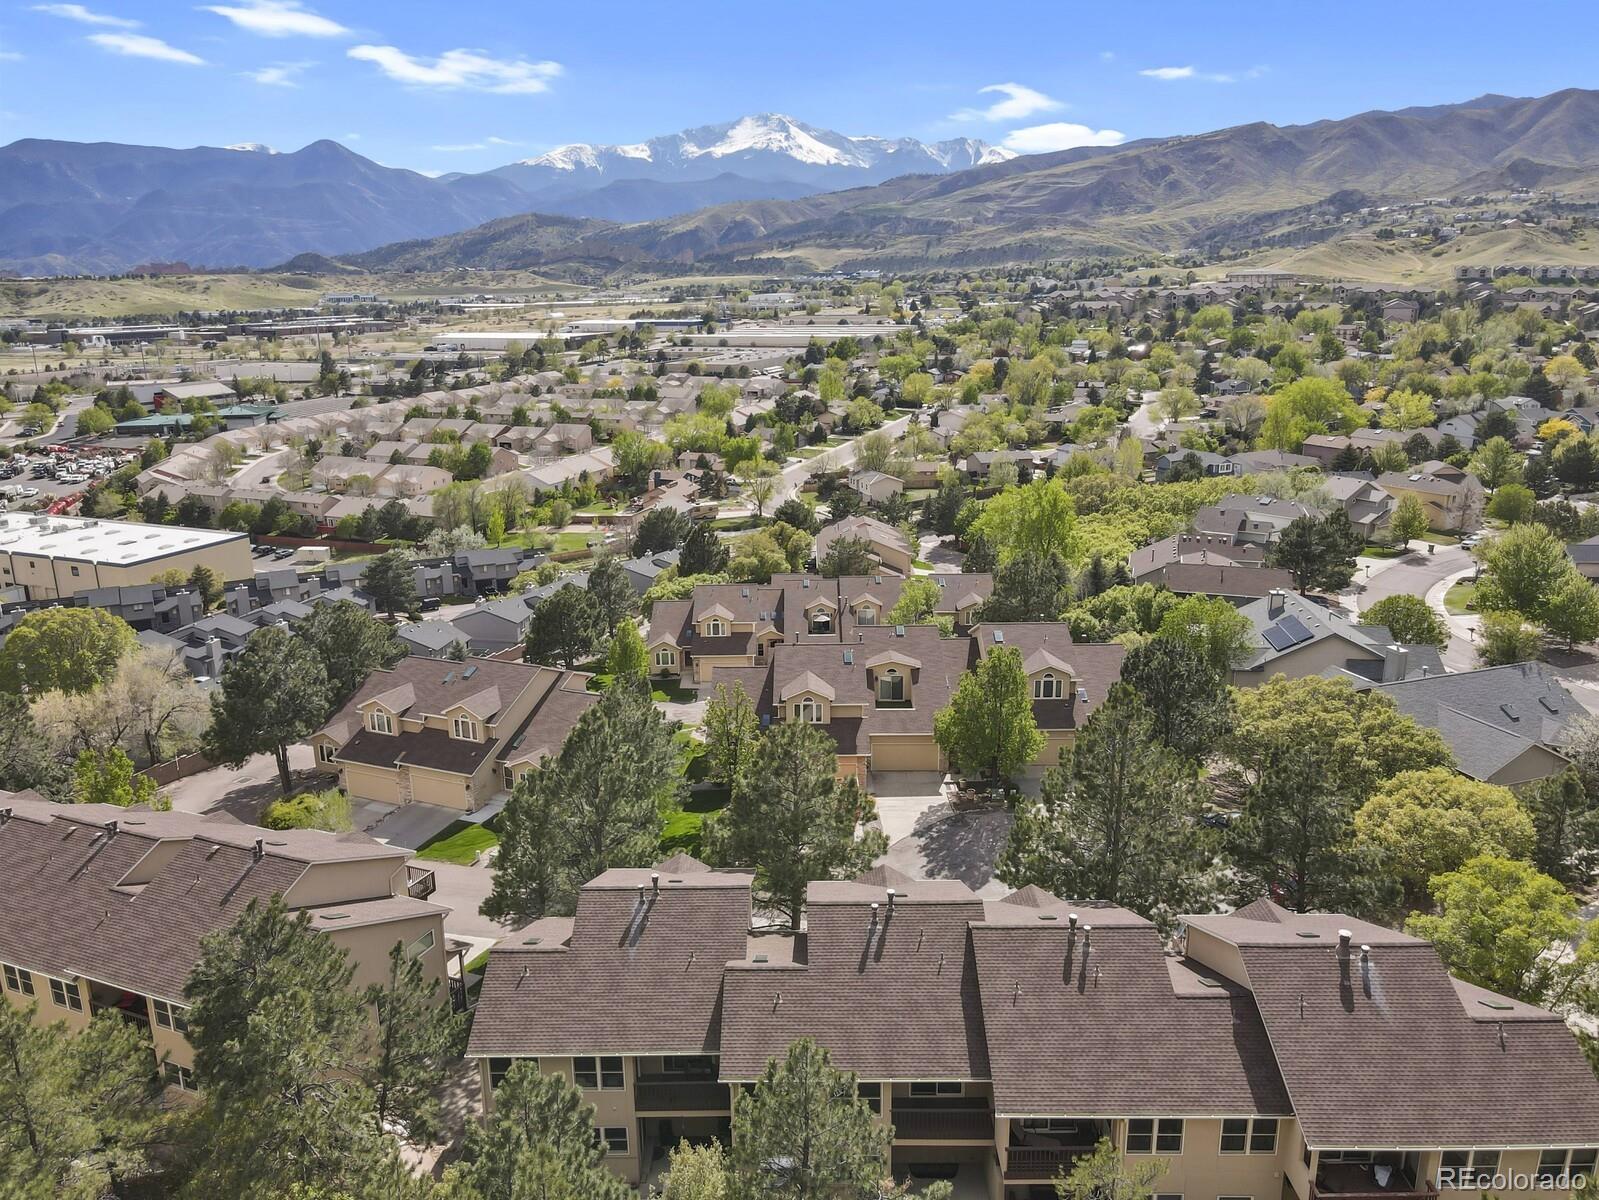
x,y
988,727
1410,619
1409,521
63,649
732,732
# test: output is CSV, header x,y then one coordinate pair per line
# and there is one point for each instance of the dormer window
x,y
809,711
379,721
890,687
1049,686
866,615
715,627
464,728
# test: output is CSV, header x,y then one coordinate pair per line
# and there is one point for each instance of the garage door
x,y
367,783
905,754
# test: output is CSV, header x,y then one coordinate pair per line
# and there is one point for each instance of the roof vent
x,y
1344,937
805,583
1071,919
760,958
655,881
260,849
468,673
1307,934
999,637
890,900
111,828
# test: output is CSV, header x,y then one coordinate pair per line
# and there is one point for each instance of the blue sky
x,y
470,84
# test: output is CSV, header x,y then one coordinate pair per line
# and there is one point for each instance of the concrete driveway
x,y
243,792
410,825
948,845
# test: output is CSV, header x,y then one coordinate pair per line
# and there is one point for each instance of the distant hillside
x,y
69,207
1213,189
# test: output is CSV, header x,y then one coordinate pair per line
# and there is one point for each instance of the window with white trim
x,y
65,994
379,721
327,751
1146,1135
665,658
809,711
18,980
1049,686
1552,1164
464,728
612,1137
940,1087
890,687
1241,1135
715,627
872,1093
421,946
499,1068
605,1074
866,615
178,1077
170,1016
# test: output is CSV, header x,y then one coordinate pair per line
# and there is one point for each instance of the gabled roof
x,y
806,681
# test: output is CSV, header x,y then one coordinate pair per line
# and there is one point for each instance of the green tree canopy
x,y
1428,822
804,1133
1318,551
732,732
1410,619
1035,518
273,694
988,728
63,649
351,644
390,581
1211,627
793,820
1029,587
565,628
1189,705
1117,818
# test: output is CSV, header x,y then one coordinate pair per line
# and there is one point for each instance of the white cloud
x,y
137,45
1107,56
76,12
485,144
468,69
1059,135
278,74
10,56
352,137
1173,74
277,18
1020,101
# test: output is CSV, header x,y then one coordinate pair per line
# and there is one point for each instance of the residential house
x,y
1295,637
875,486
1258,519
1506,725
494,624
1201,548
1368,507
451,734
1209,464
1237,584
431,639
887,545
1271,1054
1453,499
106,909
1254,462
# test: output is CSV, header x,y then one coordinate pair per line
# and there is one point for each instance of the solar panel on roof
x,y
1295,628
1278,638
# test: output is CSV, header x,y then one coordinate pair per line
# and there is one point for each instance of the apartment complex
x,y
1273,1056
105,907
54,557
448,733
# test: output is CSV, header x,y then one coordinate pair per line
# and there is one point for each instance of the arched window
x,y
809,711
665,659
715,628
890,687
866,615
1048,686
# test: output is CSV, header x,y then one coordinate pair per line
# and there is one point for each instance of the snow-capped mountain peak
x,y
759,146
252,148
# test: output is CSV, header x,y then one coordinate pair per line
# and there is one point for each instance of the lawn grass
x,y
1381,552
735,524
682,830
476,965
576,541
459,843
1441,539
661,691
1460,598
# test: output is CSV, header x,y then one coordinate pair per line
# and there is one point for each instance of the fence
x,y
178,768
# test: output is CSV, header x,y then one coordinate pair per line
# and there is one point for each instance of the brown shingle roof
x,y
894,999
641,974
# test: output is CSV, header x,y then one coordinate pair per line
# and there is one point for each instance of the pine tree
x,y
538,1142
565,628
530,866
418,1037
612,594
1030,587
273,694
389,580
1117,818
703,552
804,1133
793,820
351,644
1187,698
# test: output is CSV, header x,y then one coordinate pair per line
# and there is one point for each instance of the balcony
x,y
419,882
915,1122
1040,1163
654,1094
1358,1181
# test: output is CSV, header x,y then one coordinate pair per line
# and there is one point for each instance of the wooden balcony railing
x,y
1039,1162
681,1096
420,883
942,1124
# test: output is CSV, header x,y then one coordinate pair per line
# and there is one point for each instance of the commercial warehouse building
x,y
55,557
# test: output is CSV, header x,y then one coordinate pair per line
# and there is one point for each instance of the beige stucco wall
x,y
49,578
1203,1171
368,947
1323,655
352,879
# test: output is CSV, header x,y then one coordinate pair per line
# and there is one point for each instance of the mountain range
x,y
69,207
1232,188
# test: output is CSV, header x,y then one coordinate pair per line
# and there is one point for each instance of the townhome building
x,y
447,733
106,907
731,625
1263,1054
